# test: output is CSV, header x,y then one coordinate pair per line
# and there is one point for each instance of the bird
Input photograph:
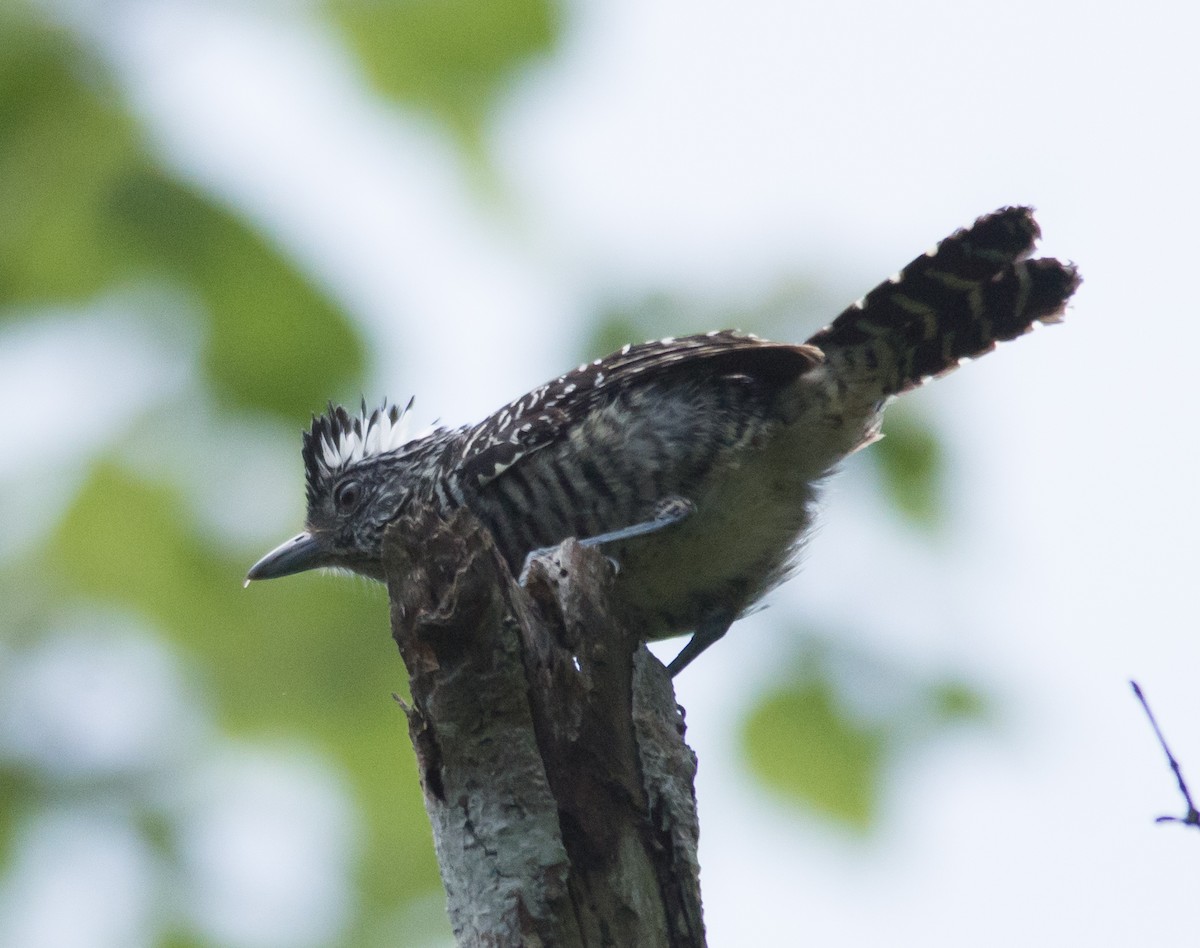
x,y
695,462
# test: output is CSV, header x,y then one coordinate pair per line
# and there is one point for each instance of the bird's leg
x,y
667,513
708,630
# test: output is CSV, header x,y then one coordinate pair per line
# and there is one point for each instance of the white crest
x,y
339,439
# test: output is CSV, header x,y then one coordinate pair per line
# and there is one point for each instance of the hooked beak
x,y
295,556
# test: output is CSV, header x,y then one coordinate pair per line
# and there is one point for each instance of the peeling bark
x,y
549,743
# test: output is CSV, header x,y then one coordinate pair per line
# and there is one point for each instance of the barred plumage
x,y
694,461
974,289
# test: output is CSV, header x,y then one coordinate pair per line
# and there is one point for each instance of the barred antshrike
x,y
693,461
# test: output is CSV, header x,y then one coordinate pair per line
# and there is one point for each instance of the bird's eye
x,y
347,495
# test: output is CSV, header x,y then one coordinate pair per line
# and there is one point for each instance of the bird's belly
x,y
735,546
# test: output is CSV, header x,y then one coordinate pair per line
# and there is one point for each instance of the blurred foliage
x,y
252,297
812,740
452,57
19,796
651,318
910,465
953,701
801,743
284,659
783,311
86,209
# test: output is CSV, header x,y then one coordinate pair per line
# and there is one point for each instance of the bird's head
x,y
355,468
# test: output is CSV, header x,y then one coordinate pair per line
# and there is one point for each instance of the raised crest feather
x,y
338,439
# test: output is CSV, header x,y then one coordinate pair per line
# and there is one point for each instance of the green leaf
x,y
452,57
651,318
952,702
273,342
774,313
309,658
802,744
85,209
18,793
181,939
827,738
62,140
910,463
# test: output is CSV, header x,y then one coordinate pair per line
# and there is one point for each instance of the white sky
x,y
712,147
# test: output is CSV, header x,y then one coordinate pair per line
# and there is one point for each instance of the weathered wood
x,y
550,747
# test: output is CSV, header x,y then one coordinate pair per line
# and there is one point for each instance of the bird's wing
x,y
546,414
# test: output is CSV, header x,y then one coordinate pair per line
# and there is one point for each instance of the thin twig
x,y
1193,815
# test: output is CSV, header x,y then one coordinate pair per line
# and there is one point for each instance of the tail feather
x,y
975,289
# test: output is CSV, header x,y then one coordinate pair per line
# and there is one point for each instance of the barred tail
x,y
955,302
